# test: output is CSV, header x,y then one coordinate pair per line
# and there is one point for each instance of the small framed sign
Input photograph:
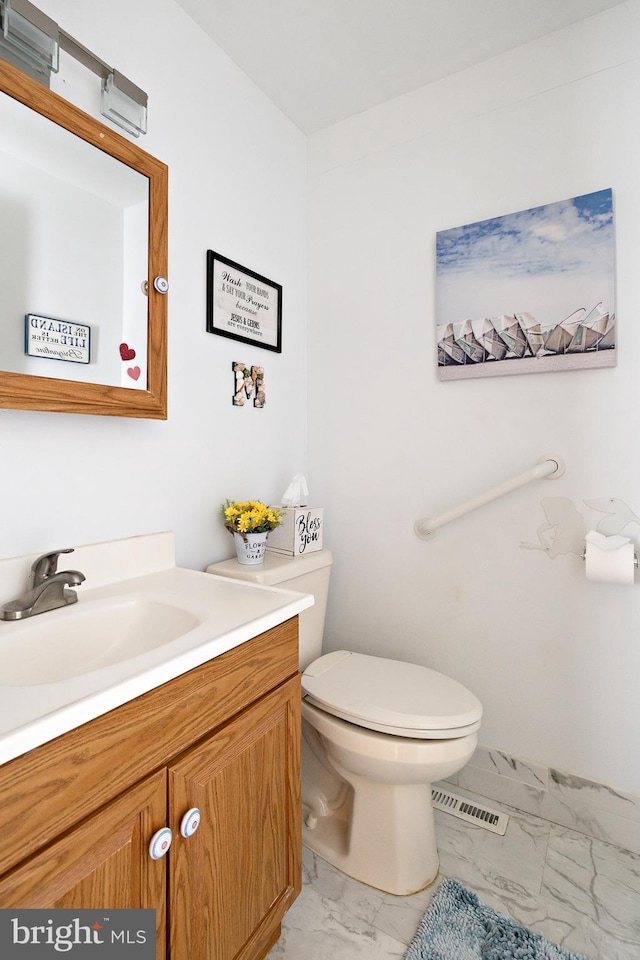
x,y
56,339
242,304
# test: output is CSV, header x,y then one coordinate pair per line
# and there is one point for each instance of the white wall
x,y
237,178
554,659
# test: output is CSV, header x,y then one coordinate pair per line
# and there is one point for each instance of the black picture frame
x,y
243,305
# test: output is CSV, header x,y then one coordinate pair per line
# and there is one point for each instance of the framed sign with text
x,y
56,339
242,304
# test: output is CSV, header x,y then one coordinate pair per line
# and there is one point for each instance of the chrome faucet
x,y
46,590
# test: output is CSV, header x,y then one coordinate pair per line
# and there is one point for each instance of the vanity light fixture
x,y
123,103
31,41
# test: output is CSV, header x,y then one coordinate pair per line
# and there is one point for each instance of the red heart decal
x,y
127,352
134,372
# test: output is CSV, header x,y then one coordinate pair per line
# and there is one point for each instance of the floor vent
x,y
463,808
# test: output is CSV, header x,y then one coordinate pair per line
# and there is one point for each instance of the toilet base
x,y
387,841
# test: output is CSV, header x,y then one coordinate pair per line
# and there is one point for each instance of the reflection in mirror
x,y
82,227
69,210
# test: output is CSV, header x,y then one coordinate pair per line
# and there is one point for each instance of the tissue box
x,y
300,531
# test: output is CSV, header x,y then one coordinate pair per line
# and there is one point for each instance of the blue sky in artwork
x,y
569,237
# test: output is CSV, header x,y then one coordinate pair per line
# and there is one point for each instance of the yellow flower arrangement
x,y
249,516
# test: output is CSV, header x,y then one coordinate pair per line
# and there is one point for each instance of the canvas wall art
x,y
529,292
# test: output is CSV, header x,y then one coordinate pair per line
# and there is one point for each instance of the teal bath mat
x,y
457,926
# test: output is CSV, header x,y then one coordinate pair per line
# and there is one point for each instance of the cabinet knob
x,y
160,843
190,822
161,284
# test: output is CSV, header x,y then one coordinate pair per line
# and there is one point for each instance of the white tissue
x,y
609,559
297,493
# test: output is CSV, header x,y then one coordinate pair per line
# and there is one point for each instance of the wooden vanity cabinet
x,y
102,863
78,826
232,881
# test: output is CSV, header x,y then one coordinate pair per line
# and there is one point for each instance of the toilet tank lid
x,y
391,693
276,568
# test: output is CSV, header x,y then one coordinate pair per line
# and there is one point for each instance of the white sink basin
x,y
139,622
75,640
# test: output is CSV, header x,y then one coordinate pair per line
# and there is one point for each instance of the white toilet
x,y
376,734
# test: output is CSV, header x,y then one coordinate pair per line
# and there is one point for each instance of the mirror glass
x,y
73,249
82,236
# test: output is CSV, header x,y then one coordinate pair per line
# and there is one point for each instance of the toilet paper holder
x,y
635,557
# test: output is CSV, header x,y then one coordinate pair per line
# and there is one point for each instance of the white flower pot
x,y
251,549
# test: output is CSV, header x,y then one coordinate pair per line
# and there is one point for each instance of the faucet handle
x,y
45,566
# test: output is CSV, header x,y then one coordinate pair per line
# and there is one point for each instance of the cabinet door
x,y
232,881
103,863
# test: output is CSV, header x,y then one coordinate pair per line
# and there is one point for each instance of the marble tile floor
x,y
577,891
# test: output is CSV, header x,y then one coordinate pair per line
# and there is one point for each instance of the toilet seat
x,y
391,696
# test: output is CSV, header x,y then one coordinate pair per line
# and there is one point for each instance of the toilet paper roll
x,y
610,565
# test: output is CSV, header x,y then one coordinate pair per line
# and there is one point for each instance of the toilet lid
x,y
392,696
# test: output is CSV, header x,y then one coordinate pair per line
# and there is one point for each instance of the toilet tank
x,y
306,574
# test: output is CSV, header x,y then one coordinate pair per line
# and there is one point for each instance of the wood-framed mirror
x,y
83,328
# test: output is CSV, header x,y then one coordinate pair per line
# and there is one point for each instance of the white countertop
x,y
228,613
